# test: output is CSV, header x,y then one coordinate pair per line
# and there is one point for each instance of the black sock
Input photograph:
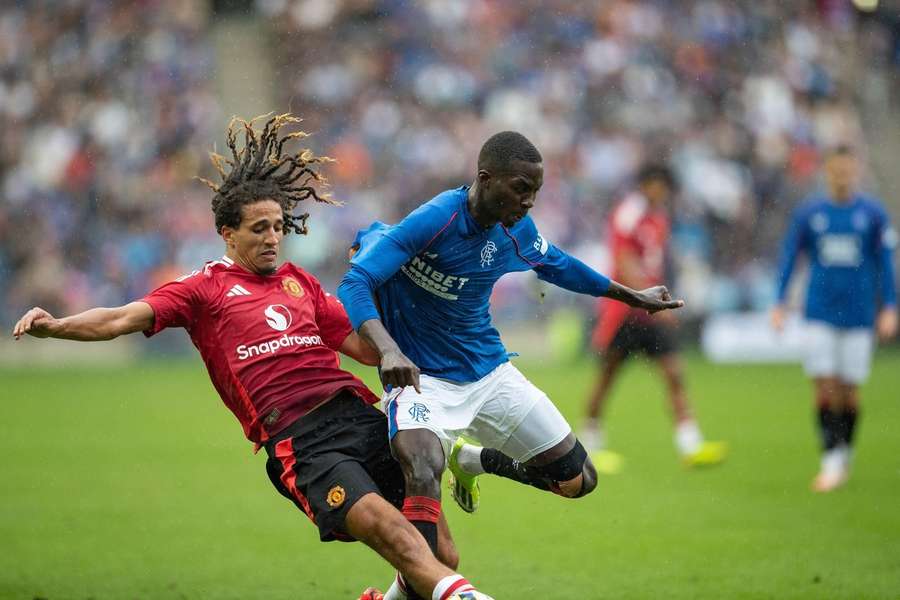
x,y
429,532
829,428
495,462
848,425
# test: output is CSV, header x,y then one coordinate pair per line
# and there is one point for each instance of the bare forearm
x,y
623,293
375,334
96,324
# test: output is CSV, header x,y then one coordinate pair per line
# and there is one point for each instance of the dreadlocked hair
x,y
261,170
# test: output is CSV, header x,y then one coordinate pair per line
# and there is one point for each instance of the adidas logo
x,y
237,290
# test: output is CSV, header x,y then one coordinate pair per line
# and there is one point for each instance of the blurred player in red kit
x,y
269,336
638,237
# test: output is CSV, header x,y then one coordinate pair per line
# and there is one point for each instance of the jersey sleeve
x,y
334,325
382,251
794,242
622,228
175,303
887,240
556,266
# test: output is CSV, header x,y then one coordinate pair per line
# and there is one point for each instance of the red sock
x,y
423,512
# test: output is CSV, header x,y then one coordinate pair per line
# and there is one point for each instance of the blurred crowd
x,y
106,111
740,98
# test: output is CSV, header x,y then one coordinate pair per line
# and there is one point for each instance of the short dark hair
x,y
501,149
657,171
260,171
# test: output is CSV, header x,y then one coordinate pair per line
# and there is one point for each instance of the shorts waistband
x,y
337,404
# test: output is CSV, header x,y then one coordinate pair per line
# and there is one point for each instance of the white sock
x,y
592,436
846,455
469,458
688,437
833,461
396,591
454,583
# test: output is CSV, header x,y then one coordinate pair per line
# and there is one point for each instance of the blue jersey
x,y
850,248
432,275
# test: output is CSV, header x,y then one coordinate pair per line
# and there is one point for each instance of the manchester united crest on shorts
x,y
336,496
292,287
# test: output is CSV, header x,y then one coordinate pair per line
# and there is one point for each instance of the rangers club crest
x,y
487,253
292,287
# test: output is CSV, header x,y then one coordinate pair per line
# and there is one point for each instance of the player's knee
x,y
588,478
423,476
572,474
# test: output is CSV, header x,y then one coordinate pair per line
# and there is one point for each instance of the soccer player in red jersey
x,y
268,335
639,236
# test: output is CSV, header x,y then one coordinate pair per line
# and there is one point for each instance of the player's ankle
x,y
469,459
688,438
449,585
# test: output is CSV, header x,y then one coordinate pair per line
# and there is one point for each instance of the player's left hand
x,y
887,324
657,298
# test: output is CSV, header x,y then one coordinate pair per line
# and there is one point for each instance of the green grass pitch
x,y
137,483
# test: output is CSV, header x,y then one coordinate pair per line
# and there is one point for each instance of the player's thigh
x,y
380,462
821,350
444,408
320,462
855,355
519,419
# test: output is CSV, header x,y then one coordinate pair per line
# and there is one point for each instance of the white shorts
x,y
502,410
835,352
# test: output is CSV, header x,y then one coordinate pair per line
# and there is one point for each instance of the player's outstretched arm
x,y
96,324
653,299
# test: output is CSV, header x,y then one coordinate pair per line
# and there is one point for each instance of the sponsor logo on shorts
x,y
419,412
278,317
336,496
292,287
272,346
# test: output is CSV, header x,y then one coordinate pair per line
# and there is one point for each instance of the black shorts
x,y
653,339
330,458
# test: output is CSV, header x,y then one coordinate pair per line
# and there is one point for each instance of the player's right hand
x,y
777,317
658,298
37,322
398,371
886,325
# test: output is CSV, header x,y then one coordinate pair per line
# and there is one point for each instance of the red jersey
x,y
637,228
268,341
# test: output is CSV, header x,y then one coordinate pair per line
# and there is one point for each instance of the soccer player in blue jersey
x,y
419,292
849,242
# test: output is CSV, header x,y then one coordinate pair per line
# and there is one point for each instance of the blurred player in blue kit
x,y
419,293
849,242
